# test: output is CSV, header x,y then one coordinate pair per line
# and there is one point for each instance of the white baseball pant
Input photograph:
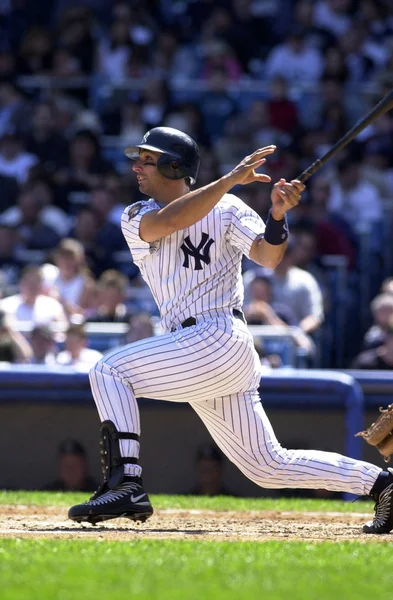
x,y
215,368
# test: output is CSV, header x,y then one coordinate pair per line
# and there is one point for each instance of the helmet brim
x,y
132,152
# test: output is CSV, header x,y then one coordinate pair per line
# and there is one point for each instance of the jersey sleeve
x,y
245,226
130,222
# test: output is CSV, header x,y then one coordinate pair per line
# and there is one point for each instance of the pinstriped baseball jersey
x,y
196,270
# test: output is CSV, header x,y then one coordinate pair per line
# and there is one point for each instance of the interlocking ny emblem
x,y
200,252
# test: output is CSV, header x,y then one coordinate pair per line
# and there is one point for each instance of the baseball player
x,y
188,246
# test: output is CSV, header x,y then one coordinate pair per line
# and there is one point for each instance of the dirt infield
x,y
51,522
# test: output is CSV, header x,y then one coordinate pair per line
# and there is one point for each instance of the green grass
x,y
196,502
65,569
175,570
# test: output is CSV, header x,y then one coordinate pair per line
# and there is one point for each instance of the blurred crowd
x,y
80,82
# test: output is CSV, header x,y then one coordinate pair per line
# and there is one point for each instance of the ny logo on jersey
x,y
200,252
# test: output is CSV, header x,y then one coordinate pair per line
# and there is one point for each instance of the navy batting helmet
x,y
179,153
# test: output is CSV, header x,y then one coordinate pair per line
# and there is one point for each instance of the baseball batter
x,y
189,246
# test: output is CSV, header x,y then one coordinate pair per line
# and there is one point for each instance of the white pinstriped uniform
x,y
212,365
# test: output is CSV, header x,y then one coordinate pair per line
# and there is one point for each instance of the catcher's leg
x,y
240,427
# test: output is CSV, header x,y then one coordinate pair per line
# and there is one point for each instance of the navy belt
x,y
191,321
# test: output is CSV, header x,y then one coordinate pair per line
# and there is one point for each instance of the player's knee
x,y
101,367
270,463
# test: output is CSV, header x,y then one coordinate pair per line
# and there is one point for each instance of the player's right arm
x,y
194,206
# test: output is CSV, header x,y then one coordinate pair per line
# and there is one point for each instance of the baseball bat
x,y
379,109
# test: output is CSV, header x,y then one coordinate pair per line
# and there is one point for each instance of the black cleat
x,y
383,520
128,500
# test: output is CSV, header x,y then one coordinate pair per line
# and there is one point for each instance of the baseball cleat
x,y
128,500
383,520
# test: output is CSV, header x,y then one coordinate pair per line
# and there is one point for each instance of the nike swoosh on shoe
x,y
135,499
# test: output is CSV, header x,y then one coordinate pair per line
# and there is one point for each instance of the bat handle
x,y
306,174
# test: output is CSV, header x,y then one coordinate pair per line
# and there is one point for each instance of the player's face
x,y
148,177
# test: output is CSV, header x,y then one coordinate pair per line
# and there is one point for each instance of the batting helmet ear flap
x,y
171,168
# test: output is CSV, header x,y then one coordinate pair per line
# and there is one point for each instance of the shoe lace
x,y
122,490
383,507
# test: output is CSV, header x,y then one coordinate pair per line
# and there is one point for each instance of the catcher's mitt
x,y
380,433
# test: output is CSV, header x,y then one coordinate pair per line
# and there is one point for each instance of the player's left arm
x,y
268,250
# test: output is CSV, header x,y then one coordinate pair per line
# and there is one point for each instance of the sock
x,y
384,479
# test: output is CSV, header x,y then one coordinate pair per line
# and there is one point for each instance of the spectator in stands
x,y
10,265
316,36
138,17
188,118
306,255
335,66
85,168
261,309
36,52
299,291
333,16
9,191
268,361
141,327
234,143
138,64
165,55
382,313
30,306
73,475
333,234
14,347
66,111
294,60
209,464
377,146
97,247
76,353
108,209
333,123
156,102
219,55
111,295
51,215
49,145
210,167
387,286
7,63
217,106
282,110
259,120
74,285
29,219
250,34
13,108
375,14
359,54
380,357
114,51
14,160
355,198
131,127
43,344
75,36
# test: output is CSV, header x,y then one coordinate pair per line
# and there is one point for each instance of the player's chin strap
x,y
112,463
